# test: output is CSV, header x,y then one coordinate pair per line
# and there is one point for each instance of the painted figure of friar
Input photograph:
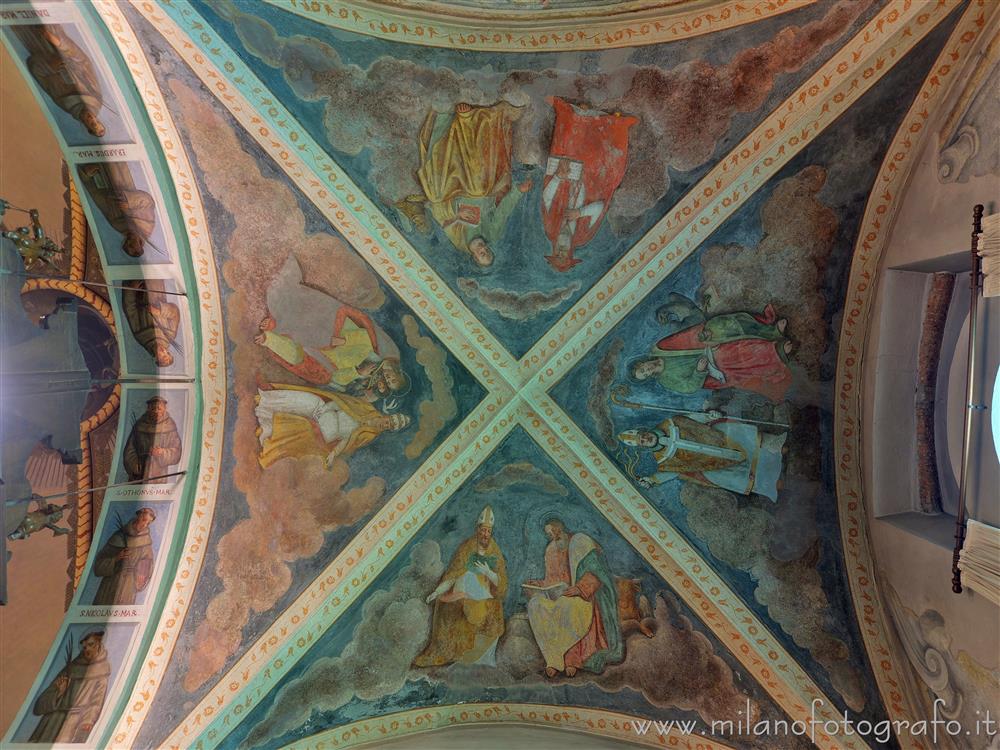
x,y
465,175
573,611
72,703
468,602
708,449
63,71
130,211
152,319
125,562
153,445
298,421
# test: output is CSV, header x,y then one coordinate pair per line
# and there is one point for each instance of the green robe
x,y
606,599
680,367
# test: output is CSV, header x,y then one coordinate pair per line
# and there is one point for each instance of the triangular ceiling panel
x,y
733,355
395,651
635,128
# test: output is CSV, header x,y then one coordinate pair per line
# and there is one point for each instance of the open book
x,y
553,591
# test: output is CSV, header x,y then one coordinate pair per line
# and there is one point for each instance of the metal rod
x,y
970,385
23,500
618,396
91,283
151,380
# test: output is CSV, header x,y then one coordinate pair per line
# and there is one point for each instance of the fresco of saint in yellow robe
x,y
467,630
465,172
298,421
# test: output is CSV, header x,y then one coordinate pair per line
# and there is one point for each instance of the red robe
x,y
593,147
746,348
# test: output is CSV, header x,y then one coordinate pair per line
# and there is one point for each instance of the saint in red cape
x,y
586,164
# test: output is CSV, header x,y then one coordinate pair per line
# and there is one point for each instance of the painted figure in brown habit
x,y
125,562
152,319
130,212
72,703
64,71
154,445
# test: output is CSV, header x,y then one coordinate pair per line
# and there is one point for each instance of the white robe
x,y
332,422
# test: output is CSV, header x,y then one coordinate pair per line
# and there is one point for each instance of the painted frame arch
x,y
133,144
611,25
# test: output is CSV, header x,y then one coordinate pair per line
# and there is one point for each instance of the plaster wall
x,y
914,553
29,178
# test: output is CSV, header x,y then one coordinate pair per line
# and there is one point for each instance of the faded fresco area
x,y
522,180
517,590
336,393
715,394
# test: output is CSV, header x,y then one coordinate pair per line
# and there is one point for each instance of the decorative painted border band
x,y
485,30
880,215
606,724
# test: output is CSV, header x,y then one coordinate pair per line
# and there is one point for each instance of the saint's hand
x,y
260,338
86,727
572,591
442,587
525,186
644,482
468,214
715,414
62,682
125,552
484,570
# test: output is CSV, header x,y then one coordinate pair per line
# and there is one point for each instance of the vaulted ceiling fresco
x,y
513,377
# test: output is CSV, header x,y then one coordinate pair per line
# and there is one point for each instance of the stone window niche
x,y
920,400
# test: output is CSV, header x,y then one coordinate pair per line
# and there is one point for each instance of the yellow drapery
x,y
464,630
471,159
293,436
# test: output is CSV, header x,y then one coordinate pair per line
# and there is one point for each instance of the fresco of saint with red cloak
x,y
586,164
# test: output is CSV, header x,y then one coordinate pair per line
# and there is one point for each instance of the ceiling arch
x,y
520,393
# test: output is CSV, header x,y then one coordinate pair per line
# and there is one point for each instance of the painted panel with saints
x,y
714,395
515,591
523,178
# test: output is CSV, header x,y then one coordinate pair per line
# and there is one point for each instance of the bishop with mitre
x,y
468,602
